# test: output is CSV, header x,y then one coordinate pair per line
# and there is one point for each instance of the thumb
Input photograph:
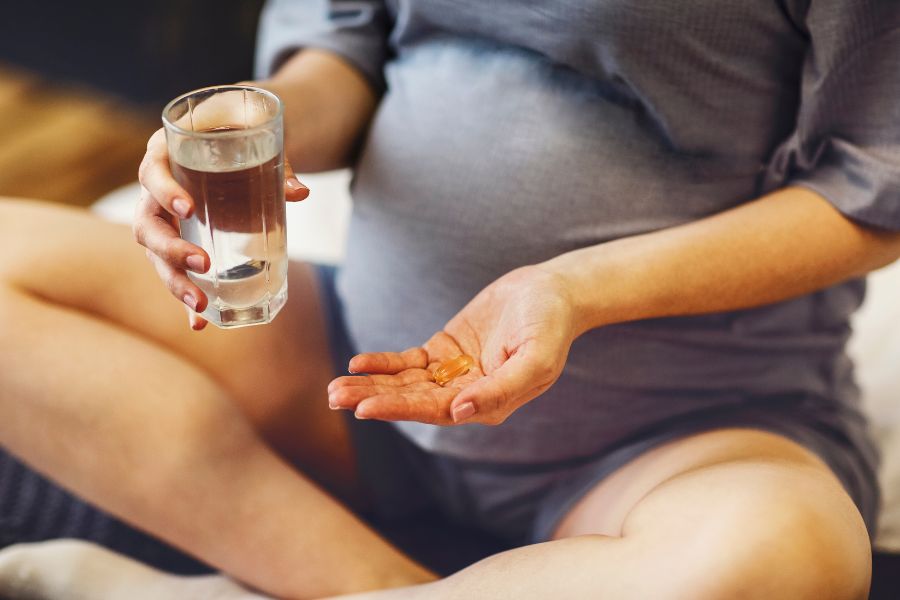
x,y
494,397
293,189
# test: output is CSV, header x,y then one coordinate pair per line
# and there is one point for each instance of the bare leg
x,y
276,374
104,388
727,514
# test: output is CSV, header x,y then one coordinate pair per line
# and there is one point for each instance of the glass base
x,y
226,317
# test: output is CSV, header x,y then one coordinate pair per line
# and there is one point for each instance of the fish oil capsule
x,y
453,368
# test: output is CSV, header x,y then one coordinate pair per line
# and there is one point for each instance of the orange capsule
x,y
453,368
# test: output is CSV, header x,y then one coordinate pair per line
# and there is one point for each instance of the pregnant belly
x,y
483,159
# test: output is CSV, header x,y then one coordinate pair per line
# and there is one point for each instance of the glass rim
x,y
222,134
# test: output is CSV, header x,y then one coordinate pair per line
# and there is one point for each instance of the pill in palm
x,y
453,368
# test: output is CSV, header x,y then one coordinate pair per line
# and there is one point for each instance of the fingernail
x,y
294,184
196,263
182,207
360,416
463,412
190,301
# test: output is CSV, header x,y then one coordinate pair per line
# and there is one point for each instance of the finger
x,y
155,175
294,190
196,322
147,206
492,398
399,379
349,397
426,406
179,285
389,362
155,232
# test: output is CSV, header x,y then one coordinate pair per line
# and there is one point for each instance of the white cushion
x,y
875,347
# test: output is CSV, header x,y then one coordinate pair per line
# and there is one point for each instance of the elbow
x,y
887,250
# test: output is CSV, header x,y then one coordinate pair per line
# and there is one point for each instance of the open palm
x,y
518,330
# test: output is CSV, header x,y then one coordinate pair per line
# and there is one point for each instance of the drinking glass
x,y
226,149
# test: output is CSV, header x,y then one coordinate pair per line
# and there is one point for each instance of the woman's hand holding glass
x,y
156,223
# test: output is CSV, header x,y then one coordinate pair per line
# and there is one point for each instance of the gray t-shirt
x,y
513,131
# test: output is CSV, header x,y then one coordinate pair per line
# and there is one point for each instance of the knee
x,y
795,545
35,235
10,298
7,223
14,221
11,210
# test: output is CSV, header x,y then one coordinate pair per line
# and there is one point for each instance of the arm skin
x,y
786,244
328,106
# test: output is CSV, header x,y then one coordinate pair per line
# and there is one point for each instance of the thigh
x,y
277,374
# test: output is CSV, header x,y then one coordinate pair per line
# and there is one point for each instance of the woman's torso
x,y
511,135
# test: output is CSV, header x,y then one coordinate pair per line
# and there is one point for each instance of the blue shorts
x,y
524,503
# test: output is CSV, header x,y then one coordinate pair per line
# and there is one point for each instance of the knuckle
x,y
501,400
171,251
142,170
496,418
156,139
172,282
545,369
420,356
139,231
156,153
144,203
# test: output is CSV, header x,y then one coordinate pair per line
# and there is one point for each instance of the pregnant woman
x,y
647,222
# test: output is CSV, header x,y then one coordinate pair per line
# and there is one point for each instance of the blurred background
x,y
82,84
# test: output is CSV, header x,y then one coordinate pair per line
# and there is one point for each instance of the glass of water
x,y
226,149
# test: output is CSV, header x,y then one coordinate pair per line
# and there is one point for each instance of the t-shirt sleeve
x,y
357,31
847,143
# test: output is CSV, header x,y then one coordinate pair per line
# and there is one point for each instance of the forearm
x,y
328,106
783,245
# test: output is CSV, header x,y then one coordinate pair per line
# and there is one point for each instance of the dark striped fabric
x,y
33,509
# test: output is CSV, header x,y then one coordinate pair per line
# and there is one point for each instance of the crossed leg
x,y
104,388
728,514
103,354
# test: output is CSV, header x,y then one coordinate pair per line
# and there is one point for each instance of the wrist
x,y
328,106
600,288
570,278
297,118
